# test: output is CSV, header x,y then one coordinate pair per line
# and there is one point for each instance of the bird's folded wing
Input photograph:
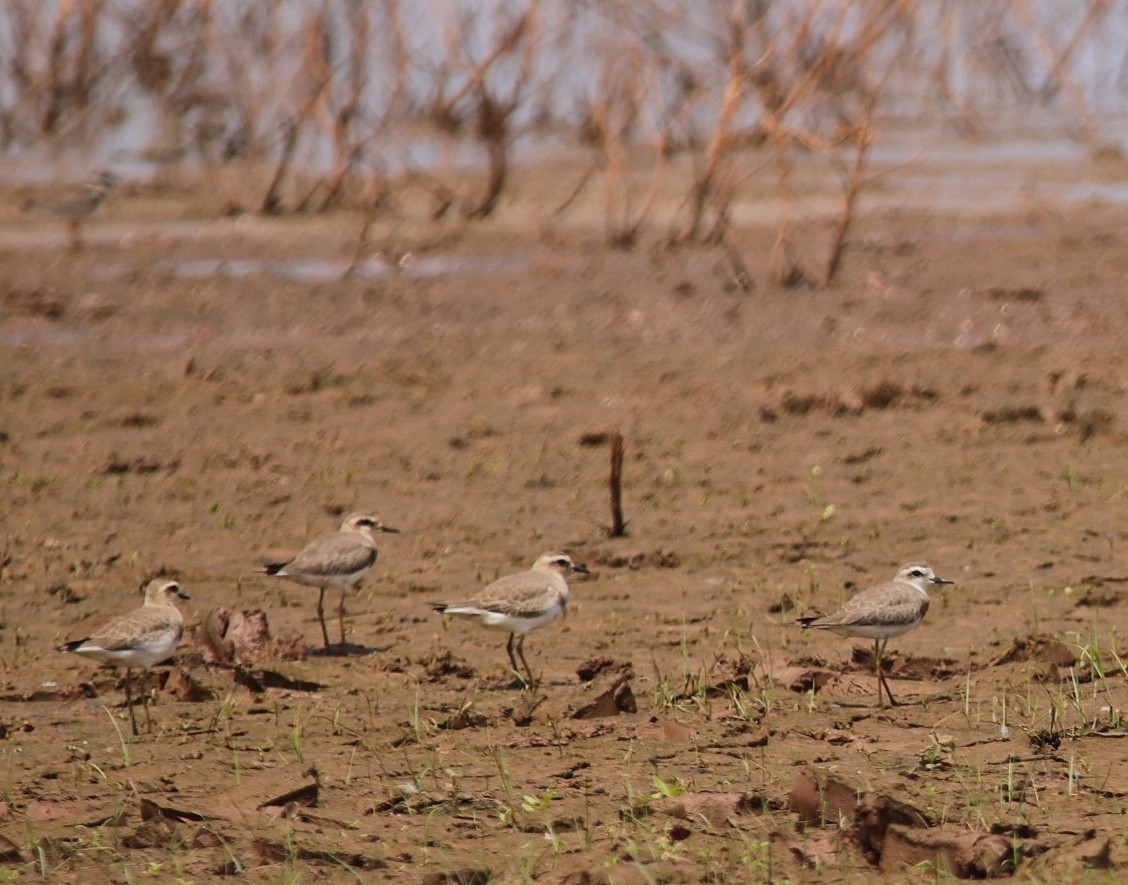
x,y
142,626
518,595
342,554
888,608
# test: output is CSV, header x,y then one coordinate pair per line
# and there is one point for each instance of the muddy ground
x,y
959,398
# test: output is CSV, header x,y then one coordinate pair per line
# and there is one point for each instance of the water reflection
x,y
315,270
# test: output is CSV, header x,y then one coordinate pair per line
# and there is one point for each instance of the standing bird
x,y
338,560
882,612
522,602
80,203
140,638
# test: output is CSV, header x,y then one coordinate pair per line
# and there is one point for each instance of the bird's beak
x,y
389,529
182,595
939,580
581,569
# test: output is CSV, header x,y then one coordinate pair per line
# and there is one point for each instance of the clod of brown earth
x,y
659,729
878,286
464,718
9,851
660,558
443,662
881,395
956,852
259,681
1012,414
274,788
717,809
1092,851
469,876
592,667
7,730
583,877
818,849
1095,594
116,465
825,801
521,714
785,603
667,872
803,679
274,853
156,833
151,810
244,639
593,438
183,686
249,635
1042,649
893,834
615,699
821,800
36,302
1027,294
77,813
210,635
205,838
874,815
727,672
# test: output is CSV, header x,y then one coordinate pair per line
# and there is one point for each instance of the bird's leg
x,y
879,653
321,617
129,703
521,652
145,701
75,227
341,618
509,651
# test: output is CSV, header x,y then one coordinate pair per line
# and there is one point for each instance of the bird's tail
x,y
72,646
807,622
466,611
272,568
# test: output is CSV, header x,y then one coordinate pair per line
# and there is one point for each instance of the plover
x,y
882,612
338,560
520,603
140,638
80,203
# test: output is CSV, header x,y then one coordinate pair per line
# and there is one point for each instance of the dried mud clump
x,y
615,697
883,394
243,639
891,834
443,663
116,465
659,558
714,809
46,303
592,667
466,876
961,854
1057,657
